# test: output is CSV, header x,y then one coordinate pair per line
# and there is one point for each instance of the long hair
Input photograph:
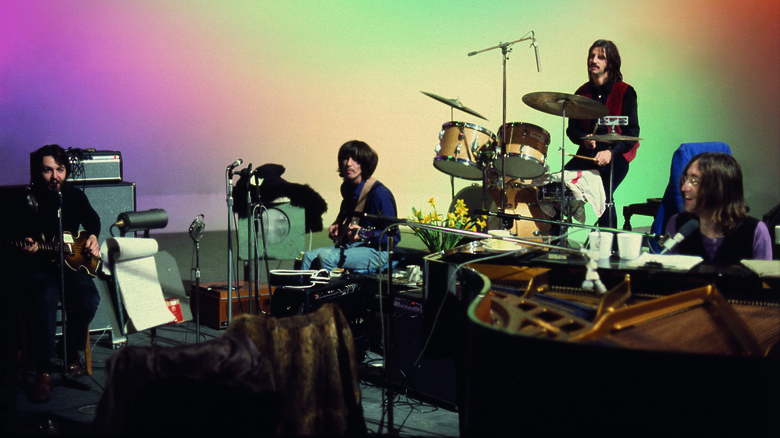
x,y
613,59
56,151
720,189
360,152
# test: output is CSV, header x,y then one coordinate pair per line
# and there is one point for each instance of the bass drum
x,y
521,201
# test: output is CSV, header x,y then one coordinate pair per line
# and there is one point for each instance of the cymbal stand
x,y
565,218
505,49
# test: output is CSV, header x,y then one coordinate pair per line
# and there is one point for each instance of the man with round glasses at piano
x,y
712,193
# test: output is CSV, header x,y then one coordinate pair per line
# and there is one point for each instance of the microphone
x,y
536,50
683,233
196,228
235,164
245,172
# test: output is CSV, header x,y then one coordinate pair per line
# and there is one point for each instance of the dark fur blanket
x,y
314,368
221,387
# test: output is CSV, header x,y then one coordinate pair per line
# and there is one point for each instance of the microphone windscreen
x,y
689,227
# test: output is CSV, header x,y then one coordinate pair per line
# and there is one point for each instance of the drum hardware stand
x,y
505,49
611,122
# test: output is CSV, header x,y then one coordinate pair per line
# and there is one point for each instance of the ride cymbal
x,y
577,107
455,103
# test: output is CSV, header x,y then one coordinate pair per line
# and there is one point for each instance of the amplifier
x,y
92,165
214,301
347,293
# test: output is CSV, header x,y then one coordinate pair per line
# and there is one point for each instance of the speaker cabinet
x,y
434,379
108,200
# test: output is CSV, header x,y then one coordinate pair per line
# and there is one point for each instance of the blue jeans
x,y
356,255
81,300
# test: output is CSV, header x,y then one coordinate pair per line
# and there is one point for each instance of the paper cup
x,y
603,241
629,245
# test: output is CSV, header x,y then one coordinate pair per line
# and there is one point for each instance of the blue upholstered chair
x,y
672,201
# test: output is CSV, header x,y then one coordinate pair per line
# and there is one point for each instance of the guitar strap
x,y
361,204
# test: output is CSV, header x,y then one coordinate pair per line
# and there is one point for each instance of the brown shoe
x,y
41,392
75,369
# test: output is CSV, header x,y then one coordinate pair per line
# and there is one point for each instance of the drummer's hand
x,y
603,158
589,144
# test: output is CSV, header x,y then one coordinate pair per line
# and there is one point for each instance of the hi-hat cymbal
x,y
611,137
455,103
577,107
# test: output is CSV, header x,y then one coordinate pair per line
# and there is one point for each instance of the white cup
x,y
603,241
629,245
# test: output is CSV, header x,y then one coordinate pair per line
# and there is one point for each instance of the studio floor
x,y
71,410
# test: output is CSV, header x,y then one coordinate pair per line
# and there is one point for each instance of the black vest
x,y
735,247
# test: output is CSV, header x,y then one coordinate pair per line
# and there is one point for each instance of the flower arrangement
x,y
437,241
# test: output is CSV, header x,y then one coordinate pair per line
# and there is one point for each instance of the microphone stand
x,y
389,337
66,377
250,254
229,185
505,49
195,235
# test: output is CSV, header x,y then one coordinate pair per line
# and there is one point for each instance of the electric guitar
x,y
75,252
363,233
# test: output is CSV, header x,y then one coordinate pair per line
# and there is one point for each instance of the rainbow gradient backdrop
x,y
185,87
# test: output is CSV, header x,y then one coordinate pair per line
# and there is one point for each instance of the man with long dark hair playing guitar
x,y
359,242
49,169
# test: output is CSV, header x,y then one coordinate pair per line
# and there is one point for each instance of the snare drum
x,y
494,179
524,150
463,149
520,201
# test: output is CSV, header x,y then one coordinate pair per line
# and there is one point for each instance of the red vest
x,y
615,107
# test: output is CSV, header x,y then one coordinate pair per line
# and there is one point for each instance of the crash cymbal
x,y
577,107
611,137
455,103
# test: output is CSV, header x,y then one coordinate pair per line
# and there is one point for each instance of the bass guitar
x,y
75,251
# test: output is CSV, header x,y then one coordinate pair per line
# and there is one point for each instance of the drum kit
x,y
512,164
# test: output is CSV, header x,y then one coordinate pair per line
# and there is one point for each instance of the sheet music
x,y
764,268
671,261
136,275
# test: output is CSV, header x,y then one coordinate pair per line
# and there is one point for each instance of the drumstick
x,y
584,158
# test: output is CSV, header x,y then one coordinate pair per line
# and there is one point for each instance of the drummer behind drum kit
x,y
512,165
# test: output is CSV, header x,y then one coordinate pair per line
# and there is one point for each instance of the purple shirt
x,y
762,243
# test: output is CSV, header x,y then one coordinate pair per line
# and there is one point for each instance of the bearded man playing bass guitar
x,y
50,167
359,241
